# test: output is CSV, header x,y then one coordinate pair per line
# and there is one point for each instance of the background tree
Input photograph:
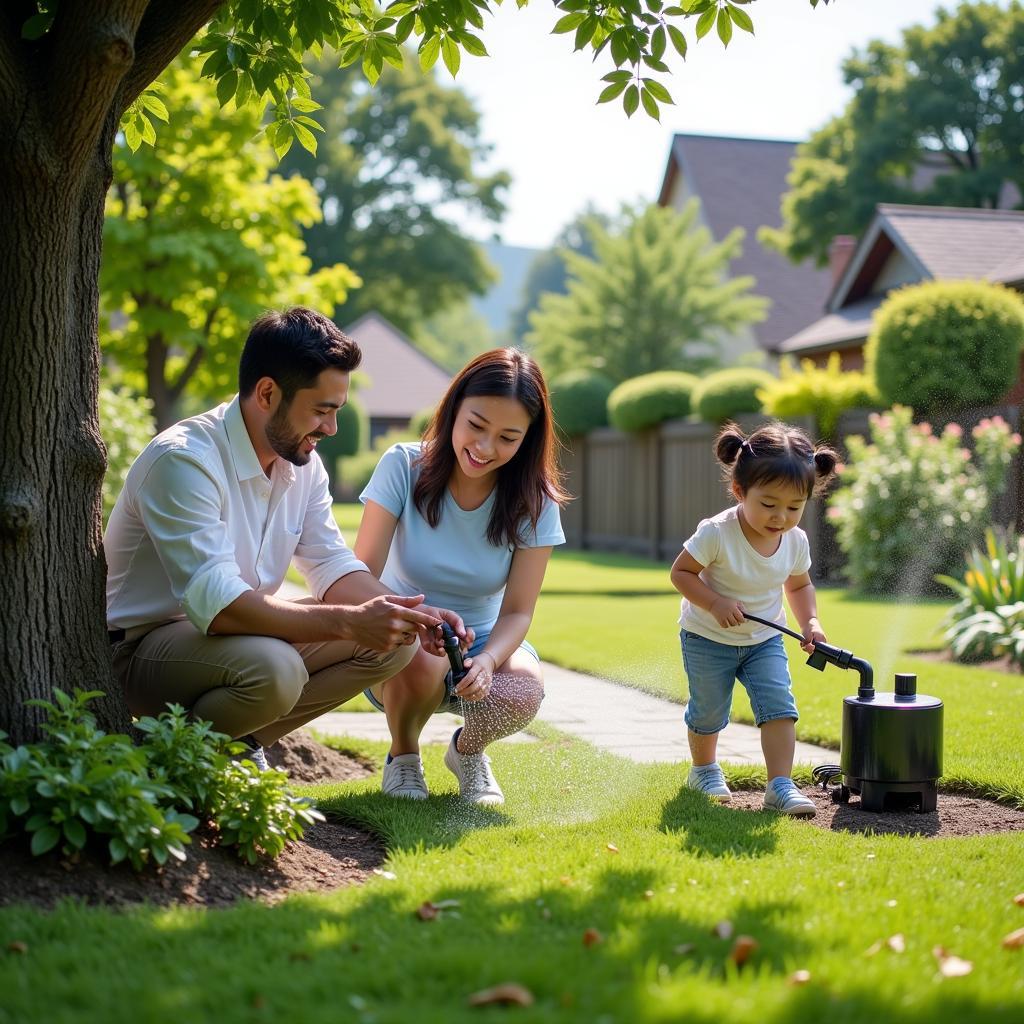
x,y
937,120
398,161
200,237
455,335
656,296
548,272
69,74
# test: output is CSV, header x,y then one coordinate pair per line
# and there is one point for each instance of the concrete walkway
x,y
613,717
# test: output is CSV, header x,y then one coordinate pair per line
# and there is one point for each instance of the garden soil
x,y
331,855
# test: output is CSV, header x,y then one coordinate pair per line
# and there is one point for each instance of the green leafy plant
x,y
726,393
127,426
580,401
910,504
988,620
142,800
824,392
652,398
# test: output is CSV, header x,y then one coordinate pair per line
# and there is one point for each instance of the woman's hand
x,y
813,634
476,683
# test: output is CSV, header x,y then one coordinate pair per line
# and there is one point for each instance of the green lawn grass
x,y
530,879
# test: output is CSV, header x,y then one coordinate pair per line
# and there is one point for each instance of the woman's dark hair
x,y
775,452
528,477
293,348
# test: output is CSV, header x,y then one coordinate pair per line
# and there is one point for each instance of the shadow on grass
x,y
714,830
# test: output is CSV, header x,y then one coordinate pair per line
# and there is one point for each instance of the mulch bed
x,y
955,815
331,855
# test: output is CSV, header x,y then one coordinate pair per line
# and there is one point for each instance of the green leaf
x,y
650,104
304,105
473,44
132,136
657,90
568,23
74,832
631,100
586,31
613,90
705,21
148,131
155,106
226,87
741,19
658,42
451,55
37,26
429,52
678,40
617,76
45,839
724,26
307,140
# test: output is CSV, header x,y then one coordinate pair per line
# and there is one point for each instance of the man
x,y
201,537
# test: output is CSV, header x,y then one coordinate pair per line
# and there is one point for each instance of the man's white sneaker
x,y
709,778
477,783
782,795
403,776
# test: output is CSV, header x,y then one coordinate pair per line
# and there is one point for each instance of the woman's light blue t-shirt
x,y
453,564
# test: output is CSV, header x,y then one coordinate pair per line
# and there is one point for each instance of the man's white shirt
x,y
199,523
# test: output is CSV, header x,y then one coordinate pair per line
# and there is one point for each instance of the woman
x,y
468,517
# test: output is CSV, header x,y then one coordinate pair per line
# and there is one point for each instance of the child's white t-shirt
x,y
735,570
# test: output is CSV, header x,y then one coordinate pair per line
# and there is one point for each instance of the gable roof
x,y
402,380
740,183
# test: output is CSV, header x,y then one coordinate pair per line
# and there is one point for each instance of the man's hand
x,y
432,640
727,612
812,634
389,621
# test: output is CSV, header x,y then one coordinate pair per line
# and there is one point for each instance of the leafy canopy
x,y
938,120
656,296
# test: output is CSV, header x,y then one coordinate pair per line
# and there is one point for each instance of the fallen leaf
x,y
890,903
566,880
592,937
427,911
648,894
507,994
874,948
1019,899
896,943
742,949
799,978
612,848
389,875
17,946
723,930
447,904
1015,940
684,949
951,966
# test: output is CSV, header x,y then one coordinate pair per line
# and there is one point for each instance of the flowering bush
x,y
911,504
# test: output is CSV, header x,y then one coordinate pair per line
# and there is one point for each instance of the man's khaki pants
x,y
246,685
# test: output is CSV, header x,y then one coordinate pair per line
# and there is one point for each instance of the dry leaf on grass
x,y
508,994
684,949
895,942
389,875
566,880
1015,940
799,978
951,966
612,848
742,949
17,946
648,894
430,911
592,937
1019,899
722,930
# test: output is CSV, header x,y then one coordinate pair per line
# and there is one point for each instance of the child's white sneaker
x,y
709,778
477,783
403,777
782,795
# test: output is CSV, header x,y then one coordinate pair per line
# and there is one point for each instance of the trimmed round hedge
x,y
353,432
946,345
421,420
579,400
726,393
643,402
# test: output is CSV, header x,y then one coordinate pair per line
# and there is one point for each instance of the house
x,y
402,381
740,183
906,245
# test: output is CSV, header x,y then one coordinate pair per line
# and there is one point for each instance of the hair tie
x,y
746,444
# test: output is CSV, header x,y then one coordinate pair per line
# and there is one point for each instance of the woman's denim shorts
x,y
712,670
455,703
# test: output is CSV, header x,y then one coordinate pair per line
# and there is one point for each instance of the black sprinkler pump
x,y
454,652
891,749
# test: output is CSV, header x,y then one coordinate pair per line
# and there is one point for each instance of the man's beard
x,y
283,441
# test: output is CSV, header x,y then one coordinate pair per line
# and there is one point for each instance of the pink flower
x,y
953,430
832,513
925,428
1015,438
965,455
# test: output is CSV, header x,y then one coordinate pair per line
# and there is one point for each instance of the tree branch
x,y
195,359
167,26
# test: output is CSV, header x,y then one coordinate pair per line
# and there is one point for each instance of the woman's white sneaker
x,y
710,779
477,783
403,777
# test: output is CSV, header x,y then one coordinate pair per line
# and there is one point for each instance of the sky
x,y
538,101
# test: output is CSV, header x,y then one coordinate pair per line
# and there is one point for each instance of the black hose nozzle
x,y
454,652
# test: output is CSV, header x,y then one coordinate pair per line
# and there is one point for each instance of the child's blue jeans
x,y
712,670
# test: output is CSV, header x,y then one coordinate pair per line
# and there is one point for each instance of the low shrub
x,y
579,400
727,393
988,620
822,392
357,470
421,420
910,504
127,426
142,801
643,402
946,345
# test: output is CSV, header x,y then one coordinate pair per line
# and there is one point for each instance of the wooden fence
x,y
644,494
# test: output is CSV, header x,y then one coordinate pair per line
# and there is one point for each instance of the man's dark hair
x,y
293,348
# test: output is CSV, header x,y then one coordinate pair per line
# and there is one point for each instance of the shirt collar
x,y
243,455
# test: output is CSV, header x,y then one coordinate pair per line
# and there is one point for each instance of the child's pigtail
x,y
728,444
825,461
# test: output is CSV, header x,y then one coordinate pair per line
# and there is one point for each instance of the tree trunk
x,y
52,457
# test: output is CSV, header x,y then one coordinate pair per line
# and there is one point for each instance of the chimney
x,y
839,252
